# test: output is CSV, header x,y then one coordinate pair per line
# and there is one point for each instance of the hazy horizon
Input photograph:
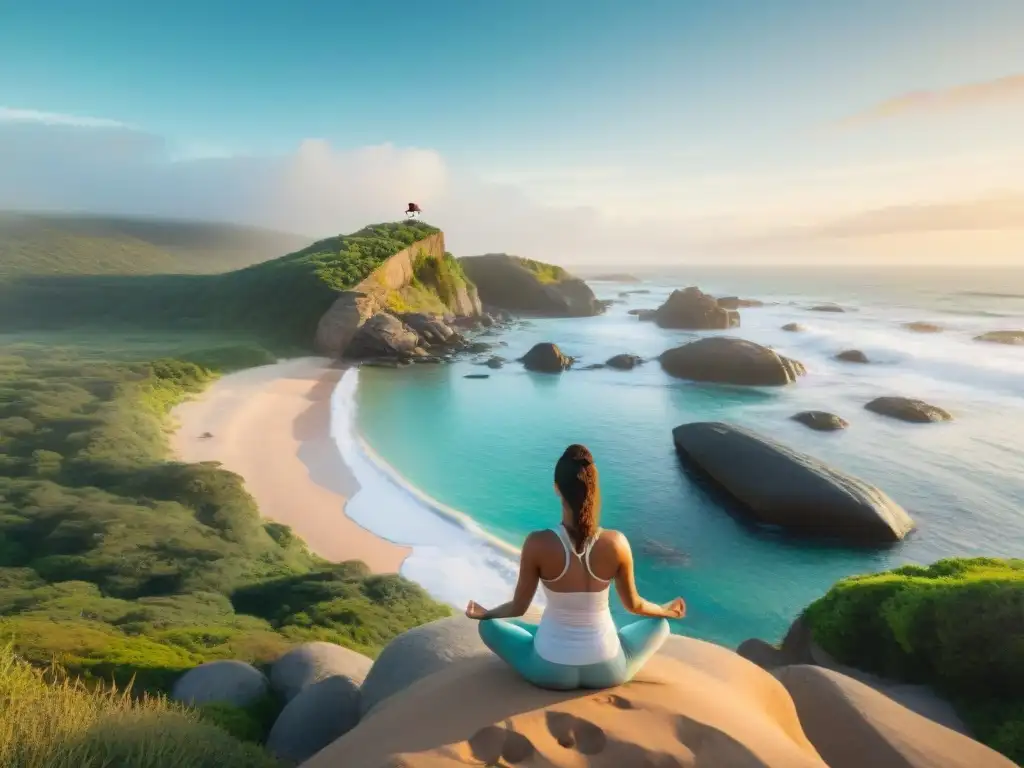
x,y
732,133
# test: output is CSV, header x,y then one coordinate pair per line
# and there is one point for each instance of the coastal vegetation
x,y
545,273
280,300
957,625
66,244
434,288
122,567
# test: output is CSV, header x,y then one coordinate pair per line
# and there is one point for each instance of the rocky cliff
x,y
422,278
524,285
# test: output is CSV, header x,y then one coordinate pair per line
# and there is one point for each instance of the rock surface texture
x,y
821,421
728,360
546,358
776,485
908,409
226,682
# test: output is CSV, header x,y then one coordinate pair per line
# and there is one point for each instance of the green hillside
x,y
60,244
280,300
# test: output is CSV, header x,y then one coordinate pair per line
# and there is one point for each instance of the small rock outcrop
x,y
417,653
852,725
693,309
826,308
624,362
821,421
616,277
852,356
729,360
644,315
546,358
317,716
794,327
383,335
922,327
908,409
226,682
524,285
1002,337
735,302
477,376
778,486
495,362
310,663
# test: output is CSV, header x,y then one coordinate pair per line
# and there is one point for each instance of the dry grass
x,y
48,720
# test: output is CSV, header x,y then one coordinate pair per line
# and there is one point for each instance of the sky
x,y
580,132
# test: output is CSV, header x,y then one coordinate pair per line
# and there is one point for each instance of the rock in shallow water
x,y
921,327
695,310
822,421
908,409
779,486
729,360
546,358
1002,337
852,356
794,327
624,362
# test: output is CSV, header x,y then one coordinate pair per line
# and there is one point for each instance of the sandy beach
x,y
271,425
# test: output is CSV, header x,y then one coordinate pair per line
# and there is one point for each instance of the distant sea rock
x,y
852,356
735,302
922,327
624,362
617,277
908,409
826,308
693,309
644,315
729,360
794,327
523,285
1002,337
546,358
776,485
821,421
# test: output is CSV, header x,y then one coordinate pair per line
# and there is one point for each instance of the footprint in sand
x,y
613,699
576,733
496,742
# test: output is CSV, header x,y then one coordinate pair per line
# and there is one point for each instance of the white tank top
x,y
576,628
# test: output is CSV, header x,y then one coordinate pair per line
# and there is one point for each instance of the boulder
x,y
226,682
1002,337
624,362
695,310
778,486
826,308
794,327
477,376
908,409
546,358
729,360
644,315
594,367
920,327
522,285
495,362
852,356
310,663
822,421
383,335
735,302
419,652
319,714
433,331
853,725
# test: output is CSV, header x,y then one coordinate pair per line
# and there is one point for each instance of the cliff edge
x,y
420,279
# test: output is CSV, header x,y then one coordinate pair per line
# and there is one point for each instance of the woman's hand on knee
x,y
675,609
475,611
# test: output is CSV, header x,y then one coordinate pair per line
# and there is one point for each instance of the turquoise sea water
x,y
487,447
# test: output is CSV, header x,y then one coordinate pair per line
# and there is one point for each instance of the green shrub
x,y
49,720
251,723
957,624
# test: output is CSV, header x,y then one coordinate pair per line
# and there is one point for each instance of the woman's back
x,y
577,625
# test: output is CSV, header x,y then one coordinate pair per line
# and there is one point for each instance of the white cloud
x,y
598,213
11,114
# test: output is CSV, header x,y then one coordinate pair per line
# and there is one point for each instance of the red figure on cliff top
x,y
413,212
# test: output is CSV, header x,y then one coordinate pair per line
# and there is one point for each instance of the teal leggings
x,y
512,640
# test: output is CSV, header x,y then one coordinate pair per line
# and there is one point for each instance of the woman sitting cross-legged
x,y
576,644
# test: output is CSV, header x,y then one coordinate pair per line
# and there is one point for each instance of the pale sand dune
x,y
697,707
271,425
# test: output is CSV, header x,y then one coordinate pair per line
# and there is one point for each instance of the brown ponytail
x,y
576,478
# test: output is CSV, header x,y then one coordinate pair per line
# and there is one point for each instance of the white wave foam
x,y
452,557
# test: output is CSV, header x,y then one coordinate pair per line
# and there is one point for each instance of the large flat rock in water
x,y
779,486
